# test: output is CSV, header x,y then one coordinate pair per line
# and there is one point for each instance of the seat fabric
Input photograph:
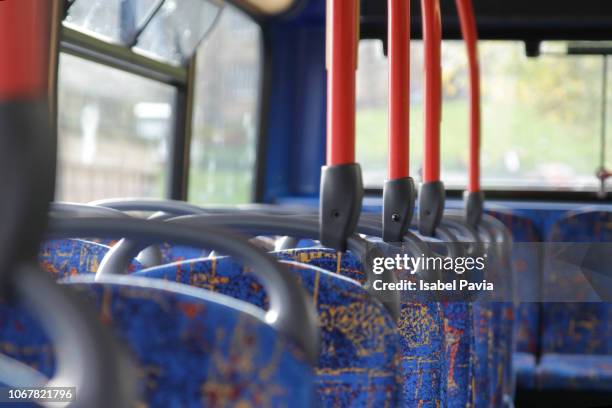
x,y
69,257
191,348
577,328
483,360
577,337
424,360
527,267
501,310
360,346
460,352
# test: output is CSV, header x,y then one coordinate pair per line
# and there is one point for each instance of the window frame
x,y
264,90
182,78
95,50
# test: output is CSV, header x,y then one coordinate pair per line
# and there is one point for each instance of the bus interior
x,y
306,203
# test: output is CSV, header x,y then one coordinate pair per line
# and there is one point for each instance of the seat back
x,y
527,267
421,328
360,350
68,257
481,330
500,309
578,328
458,327
192,347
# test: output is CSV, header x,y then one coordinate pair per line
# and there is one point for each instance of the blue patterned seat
x,y
344,264
577,328
358,364
84,247
503,339
468,332
424,345
460,352
460,347
527,266
483,360
69,257
192,348
577,337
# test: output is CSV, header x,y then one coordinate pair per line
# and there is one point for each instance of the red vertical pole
x,y
399,89
343,34
341,182
432,195
24,48
398,191
432,37
470,36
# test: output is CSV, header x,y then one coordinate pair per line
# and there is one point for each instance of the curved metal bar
x,y
183,208
149,204
88,361
301,227
290,311
66,209
150,256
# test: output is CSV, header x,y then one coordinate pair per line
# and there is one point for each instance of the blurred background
x,y
541,116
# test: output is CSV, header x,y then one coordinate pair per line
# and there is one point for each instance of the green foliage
x,y
540,120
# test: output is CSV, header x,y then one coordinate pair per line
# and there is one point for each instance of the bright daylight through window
x,y
541,116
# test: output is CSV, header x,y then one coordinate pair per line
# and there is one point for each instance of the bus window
x,y
114,20
177,29
225,112
113,132
541,117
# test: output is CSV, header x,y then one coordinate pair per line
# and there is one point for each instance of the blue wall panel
x,y
296,121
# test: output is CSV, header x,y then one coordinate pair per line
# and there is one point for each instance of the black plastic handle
x,y
290,311
474,207
431,207
399,196
340,204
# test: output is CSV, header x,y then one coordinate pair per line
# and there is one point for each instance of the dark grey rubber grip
x,y
290,311
398,206
431,207
340,204
474,207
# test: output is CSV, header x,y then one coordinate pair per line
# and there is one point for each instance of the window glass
x,y
177,29
541,117
116,20
226,110
113,130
